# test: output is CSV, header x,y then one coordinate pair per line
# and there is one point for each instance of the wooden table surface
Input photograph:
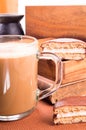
x,y
40,119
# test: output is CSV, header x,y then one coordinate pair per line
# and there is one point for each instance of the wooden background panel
x,y
56,21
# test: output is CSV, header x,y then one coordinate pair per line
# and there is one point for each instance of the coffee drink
x,y
18,76
18,79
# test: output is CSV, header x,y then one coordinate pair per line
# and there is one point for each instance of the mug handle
x,y
54,85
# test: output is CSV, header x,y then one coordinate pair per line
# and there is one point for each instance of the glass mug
x,y
19,93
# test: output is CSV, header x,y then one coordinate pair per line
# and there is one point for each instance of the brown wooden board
x,y
76,89
74,77
56,21
73,70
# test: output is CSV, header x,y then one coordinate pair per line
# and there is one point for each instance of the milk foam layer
x,y
14,50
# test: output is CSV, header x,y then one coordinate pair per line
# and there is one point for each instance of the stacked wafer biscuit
x,y
66,48
70,110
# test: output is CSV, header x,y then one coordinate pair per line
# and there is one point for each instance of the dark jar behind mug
x,y
10,24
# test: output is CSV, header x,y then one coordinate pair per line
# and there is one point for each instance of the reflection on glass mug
x,y
19,93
